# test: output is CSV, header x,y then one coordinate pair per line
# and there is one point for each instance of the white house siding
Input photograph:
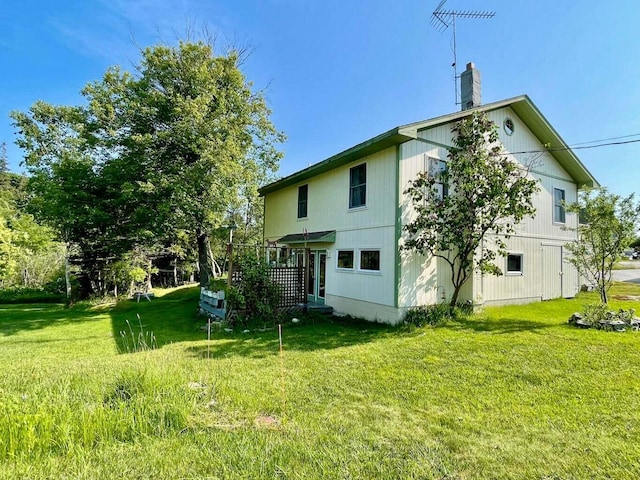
x,y
370,295
328,200
546,273
362,293
418,278
547,170
539,240
371,311
424,281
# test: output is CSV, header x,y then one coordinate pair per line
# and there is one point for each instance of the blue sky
x,y
337,73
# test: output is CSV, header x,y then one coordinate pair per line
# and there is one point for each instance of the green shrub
x,y
429,315
594,312
438,314
29,295
255,297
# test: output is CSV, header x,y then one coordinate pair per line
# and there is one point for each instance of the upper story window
x,y
303,195
583,217
435,167
558,206
358,186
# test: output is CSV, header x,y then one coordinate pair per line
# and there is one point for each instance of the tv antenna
x,y
443,19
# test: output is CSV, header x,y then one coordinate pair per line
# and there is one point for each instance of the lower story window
x,y
370,260
514,263
345,259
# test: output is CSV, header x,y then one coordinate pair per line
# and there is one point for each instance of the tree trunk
x,y
454,298
603,292
86,285
100,284
216,268
459,277
175,271
203,257
67,276
210,261
149,269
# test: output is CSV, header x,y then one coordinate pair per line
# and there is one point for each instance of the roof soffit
x,y
521,105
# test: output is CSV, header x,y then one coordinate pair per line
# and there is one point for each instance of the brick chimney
x,y
470,96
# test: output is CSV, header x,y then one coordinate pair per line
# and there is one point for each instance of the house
x,y
349,211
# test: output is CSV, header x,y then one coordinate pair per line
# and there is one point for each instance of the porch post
x,y
230,264
307,258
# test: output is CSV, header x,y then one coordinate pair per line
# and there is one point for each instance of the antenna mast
x,y
443,19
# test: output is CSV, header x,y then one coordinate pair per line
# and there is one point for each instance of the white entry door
x,y
317,277
552,272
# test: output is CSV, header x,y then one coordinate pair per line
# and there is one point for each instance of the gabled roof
x,y
521,105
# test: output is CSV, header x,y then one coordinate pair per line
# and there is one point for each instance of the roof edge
x,y
558,148
522,106
387,139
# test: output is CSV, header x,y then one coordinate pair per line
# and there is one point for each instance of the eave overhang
x,y
388,139
522,106
328,236
542,129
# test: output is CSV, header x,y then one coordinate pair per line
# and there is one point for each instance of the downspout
x,y
398,233
264,217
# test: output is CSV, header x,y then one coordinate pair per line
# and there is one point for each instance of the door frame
x,y
316,292
552,271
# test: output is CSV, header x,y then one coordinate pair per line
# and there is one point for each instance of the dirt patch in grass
x,y
633,298
266,421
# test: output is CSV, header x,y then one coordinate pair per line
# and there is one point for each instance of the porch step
x,y
323,309
311,307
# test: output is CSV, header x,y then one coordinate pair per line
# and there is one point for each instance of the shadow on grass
x,y
17,318
174,318
498,325
324,334
170,318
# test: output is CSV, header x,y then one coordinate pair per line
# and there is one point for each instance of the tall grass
x,y
69,414
65,388
137,342
512,393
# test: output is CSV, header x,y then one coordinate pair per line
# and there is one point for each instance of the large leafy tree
x,y
190,134
153,156
481,195
635,243
608,223
4,163
69,193
29,257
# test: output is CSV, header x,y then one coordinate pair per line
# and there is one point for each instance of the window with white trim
x,y
435,168
583,217
303,196
515,264
358,186
559,215
370,260
345,259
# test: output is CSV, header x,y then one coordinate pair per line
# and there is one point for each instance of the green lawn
x,y
512,393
